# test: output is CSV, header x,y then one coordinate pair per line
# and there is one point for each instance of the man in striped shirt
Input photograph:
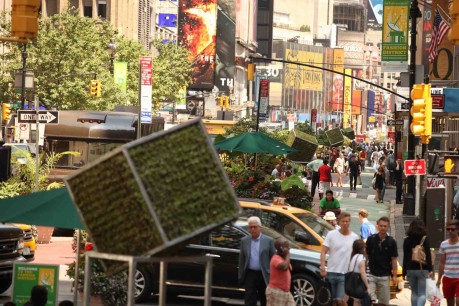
x,y
449,264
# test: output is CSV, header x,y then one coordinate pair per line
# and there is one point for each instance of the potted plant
x,y
105,290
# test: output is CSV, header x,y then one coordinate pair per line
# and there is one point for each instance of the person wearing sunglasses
x,y
448,274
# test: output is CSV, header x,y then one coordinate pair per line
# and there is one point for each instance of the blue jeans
x,y
383,191
417,279
337,285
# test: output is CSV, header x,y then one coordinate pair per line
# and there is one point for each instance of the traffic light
x,y
250,71
94,88
24,18
6,112
454,31
452,164
421,112
227,105
220,101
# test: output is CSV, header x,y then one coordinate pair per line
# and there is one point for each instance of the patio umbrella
x,y
254,143
49,208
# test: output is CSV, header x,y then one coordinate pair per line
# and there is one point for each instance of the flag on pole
x,y
440,29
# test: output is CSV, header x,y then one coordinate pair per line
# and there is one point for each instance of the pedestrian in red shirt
x,y
325,178
278,291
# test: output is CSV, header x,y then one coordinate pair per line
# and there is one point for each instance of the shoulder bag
x,y
353,283
419,254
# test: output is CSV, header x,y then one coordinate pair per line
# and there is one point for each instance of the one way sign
x,y
29,116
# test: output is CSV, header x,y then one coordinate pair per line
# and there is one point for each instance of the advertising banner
x,y
370,103
197,30
146,71
226,45
356,101
263,99
395,31
302,77
347,99
375,17
120,75
338,84
27,275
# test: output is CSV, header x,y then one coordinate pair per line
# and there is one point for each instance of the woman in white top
x,y
339,168
358,264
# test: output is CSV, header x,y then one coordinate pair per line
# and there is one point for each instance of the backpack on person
x,y
419,254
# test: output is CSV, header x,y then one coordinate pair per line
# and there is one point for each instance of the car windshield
x,y
273,234
17,147
317,224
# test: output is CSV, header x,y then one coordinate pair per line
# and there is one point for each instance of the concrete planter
x,y
44,234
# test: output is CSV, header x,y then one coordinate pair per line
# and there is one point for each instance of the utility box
x,y
435,210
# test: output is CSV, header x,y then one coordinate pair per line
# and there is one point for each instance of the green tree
x,y
172,72
67,49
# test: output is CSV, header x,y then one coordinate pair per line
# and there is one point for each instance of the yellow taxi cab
x,y
302,226
28,252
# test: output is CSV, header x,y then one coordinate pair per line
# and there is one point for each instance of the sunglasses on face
x,y
450,229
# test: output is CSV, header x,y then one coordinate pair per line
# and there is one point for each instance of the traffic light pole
x,y
415,13
24,71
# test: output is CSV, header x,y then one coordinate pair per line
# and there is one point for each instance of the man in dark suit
x,y
254,258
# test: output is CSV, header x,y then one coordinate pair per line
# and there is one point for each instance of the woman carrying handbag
x,y
417,264
358,265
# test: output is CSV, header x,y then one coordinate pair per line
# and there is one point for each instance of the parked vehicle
x,y
302,226
11,245
223,245
30,244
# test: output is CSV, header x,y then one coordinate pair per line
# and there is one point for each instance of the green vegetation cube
x,y
349,133
305,144
155,193
335,137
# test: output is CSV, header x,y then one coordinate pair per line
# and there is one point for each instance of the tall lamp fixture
x,y
111,49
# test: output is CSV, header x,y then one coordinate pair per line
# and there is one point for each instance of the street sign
x,y
29,116
405,105
415,167
392,122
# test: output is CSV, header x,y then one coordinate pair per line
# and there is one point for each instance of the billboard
x,y
338,84
302,77
370,102
356,101
375,14
226,45
197,31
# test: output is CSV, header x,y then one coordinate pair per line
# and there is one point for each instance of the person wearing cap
x,y
331,218
329,203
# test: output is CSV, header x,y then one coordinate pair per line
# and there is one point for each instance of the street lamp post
x,y
111,49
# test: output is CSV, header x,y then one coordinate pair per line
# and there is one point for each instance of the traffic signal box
x,y
454,31
451,164
220,101
95,88
421,112
24,18
227,105
6,112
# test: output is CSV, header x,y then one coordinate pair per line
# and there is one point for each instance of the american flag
x,y
440,29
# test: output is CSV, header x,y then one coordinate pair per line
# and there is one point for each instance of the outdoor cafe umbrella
x,y
48,208
256,142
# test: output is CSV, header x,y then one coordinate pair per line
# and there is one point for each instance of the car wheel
x,y
5,283
303,290
143,284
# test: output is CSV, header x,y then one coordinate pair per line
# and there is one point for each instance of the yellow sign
x,y
371,119
347,98
338,60
395,30
302,77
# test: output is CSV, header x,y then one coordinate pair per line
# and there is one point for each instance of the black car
x,y
223,245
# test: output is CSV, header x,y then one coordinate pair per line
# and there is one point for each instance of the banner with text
x,y
395,31
347,99
120,75
301,77
27,275
338,61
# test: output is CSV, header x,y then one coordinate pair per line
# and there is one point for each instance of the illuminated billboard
x,y
197,31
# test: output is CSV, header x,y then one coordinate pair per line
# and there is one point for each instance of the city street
x,y
59,251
